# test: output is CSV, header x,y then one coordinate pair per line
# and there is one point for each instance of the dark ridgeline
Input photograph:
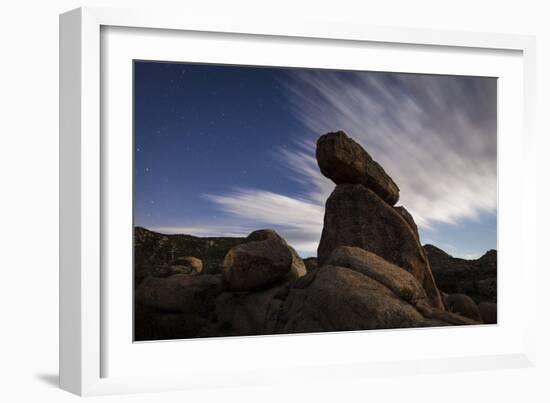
x,y
464,281
154,251
371,271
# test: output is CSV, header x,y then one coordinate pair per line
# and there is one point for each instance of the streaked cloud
x,y
299,221
435,135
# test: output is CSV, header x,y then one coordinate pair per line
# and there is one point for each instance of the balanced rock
x,y
257,263
344,161
356,216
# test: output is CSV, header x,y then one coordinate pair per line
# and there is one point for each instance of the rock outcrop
x,y
475,278
181,265
403,212
400,282
298,268
463,305
337,298
256,264
153,250
371,271
344,161
311,264
356,216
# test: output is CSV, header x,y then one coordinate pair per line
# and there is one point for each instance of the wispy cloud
x,y
300,221
435,135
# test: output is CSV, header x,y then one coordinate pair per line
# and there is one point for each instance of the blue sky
x,y
225,150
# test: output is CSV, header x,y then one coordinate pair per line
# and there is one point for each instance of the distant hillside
x,y
152,250
476,278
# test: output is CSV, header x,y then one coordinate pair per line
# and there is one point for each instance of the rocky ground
x,y
371,271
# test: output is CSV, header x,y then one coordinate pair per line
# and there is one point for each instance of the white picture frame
x,y
83,173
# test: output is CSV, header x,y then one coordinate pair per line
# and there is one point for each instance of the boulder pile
x,y
371,271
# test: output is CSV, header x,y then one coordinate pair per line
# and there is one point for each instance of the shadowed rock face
x,y
190,262
298,268
178,293
256,264
475,278
344,161
463,305
369,293
356,216
311,264
403,212
339,299
335,298
263,259
401,282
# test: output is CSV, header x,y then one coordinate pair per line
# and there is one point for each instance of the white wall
x,y
28,202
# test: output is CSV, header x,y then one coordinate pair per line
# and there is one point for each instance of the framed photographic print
x,y
243,198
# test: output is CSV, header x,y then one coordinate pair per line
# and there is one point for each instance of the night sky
x,y
225,150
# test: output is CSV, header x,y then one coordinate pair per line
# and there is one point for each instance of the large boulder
x,y
356,216
298,268
257,263
344,161
401,282
463,305
337,298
